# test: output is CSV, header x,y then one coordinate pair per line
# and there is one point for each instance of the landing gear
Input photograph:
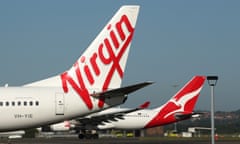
x,y
81,136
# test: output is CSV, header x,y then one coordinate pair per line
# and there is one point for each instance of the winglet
x,y
144,105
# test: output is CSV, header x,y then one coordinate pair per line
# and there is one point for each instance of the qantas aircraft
x,y
179,107
90,85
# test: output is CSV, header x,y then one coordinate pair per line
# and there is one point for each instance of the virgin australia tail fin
x,y
101,66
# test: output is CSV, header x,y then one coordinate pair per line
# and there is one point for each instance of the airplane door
x,y
59,101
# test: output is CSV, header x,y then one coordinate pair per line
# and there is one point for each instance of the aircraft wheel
x,y
88,136
95,136
81,136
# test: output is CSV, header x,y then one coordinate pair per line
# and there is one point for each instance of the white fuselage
x,y
134,120
25,107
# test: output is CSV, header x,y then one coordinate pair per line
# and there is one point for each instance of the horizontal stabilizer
x,y
182,116
121,91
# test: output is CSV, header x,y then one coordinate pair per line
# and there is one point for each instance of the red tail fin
x,y
188,95
182,102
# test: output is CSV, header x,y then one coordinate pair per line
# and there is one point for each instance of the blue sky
x,y
173,41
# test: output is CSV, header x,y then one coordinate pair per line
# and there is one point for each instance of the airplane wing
x,y
121,91
99,119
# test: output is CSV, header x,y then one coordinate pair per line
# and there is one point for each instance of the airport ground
x,y
147,140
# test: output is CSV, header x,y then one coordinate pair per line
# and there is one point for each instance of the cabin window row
x,y
19,103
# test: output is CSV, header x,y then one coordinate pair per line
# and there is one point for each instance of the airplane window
x,y
37,103
18,103
25,103
13,103
1,103
30,103
7,103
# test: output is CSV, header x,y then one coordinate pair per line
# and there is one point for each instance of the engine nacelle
x,y
63,126
105,126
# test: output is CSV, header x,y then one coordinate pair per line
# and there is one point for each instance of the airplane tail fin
x,y
181,105
104,61
102,64
187,97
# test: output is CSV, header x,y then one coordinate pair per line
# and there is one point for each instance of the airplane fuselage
x,y
25,107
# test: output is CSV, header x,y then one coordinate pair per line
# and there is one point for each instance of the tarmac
x,y
108,141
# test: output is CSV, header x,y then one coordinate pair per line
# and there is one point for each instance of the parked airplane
x,y
90,85
179,107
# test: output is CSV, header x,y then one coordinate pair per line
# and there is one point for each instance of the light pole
x,y
212,81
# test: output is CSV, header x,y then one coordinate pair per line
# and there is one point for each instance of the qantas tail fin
x,y
102,65
186,98
181,105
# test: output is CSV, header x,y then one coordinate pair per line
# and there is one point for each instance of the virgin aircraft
x,y
90,85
